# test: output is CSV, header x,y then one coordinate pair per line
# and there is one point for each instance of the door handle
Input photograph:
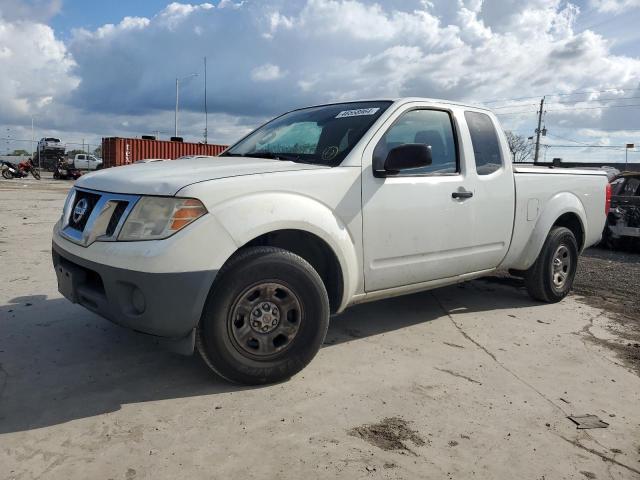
x,y
462,195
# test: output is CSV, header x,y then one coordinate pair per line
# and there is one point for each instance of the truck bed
x,y
539,204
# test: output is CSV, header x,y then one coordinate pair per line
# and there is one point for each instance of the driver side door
x,y
414,229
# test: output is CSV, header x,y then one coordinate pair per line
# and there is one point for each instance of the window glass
x,y
295,138
486,146
631,187
429,127
322,135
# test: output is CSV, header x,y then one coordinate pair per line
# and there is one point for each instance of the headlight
x,y
155,218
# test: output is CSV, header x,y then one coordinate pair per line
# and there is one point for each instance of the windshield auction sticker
x,y
357,113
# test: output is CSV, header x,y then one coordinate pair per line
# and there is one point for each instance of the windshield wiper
x,y
276,156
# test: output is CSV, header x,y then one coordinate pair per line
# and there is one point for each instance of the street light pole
x,y
175,133
175,120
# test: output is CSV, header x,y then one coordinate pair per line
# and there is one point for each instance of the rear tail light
x,y
607,200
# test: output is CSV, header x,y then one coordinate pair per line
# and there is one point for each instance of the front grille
x,y
80,221
97,218
115,218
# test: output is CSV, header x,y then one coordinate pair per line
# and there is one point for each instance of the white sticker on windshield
x,y
357,113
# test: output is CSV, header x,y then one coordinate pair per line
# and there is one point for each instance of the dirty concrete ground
x,y
469,381
610,281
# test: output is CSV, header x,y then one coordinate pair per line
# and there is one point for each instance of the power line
x,y
593,108
570,109
570,102
611,147
565,138
562,94
595,100
610,19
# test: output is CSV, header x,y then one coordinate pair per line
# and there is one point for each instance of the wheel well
x,y
573,223
315,251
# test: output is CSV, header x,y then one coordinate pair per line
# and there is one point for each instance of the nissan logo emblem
x,y
80,210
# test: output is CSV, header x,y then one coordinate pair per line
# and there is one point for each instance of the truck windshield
x,y
322,135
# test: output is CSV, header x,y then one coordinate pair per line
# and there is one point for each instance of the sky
x,y
83,70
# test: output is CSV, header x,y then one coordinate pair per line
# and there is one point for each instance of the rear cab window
x,y
486,146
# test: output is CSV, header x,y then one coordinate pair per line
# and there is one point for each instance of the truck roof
x,y
403,100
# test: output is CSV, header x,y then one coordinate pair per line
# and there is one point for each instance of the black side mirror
x,y
404,157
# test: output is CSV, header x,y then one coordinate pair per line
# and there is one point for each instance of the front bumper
x,y
163,304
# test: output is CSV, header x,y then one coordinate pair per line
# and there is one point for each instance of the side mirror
x,y
404,157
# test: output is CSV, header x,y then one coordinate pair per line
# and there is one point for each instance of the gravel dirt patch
x,y
389,434
610,280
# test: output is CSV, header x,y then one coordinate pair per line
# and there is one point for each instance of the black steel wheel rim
x,y
264,320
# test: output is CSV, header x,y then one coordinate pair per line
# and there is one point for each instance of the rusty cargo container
x,y
117,151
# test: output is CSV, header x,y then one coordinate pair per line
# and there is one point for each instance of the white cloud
x,y
36,69
270,56
614,5
266,73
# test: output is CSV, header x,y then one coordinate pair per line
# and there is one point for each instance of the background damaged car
x,y
623,222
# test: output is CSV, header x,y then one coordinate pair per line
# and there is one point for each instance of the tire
x,y
7,174
242,337
551,277
36,173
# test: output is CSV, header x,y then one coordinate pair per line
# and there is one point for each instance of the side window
x,y
429,127
80,157
486,146
631,188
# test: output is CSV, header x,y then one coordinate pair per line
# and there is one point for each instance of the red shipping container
x,y
118,151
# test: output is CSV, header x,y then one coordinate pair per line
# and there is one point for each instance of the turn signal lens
x,y
190,210
155,218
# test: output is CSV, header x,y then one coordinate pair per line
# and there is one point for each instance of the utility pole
x,y
206,115
539,131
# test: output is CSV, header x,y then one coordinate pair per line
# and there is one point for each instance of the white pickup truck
x,y
246,255
84,161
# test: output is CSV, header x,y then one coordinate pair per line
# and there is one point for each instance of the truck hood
x,y
168,177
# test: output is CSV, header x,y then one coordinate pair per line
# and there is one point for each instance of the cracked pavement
x,y
482,374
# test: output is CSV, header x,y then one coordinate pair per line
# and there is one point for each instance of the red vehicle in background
x,y
23,169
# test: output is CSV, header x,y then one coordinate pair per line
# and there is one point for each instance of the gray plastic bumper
x,y
163,304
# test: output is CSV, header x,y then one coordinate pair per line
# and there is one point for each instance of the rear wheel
x,y
7,174
265,319
551,277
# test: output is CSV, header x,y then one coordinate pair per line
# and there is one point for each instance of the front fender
x,y
554,208
249,216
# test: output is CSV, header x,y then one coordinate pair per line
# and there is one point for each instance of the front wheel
x,y
36,173
551,277
6,174
265,319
